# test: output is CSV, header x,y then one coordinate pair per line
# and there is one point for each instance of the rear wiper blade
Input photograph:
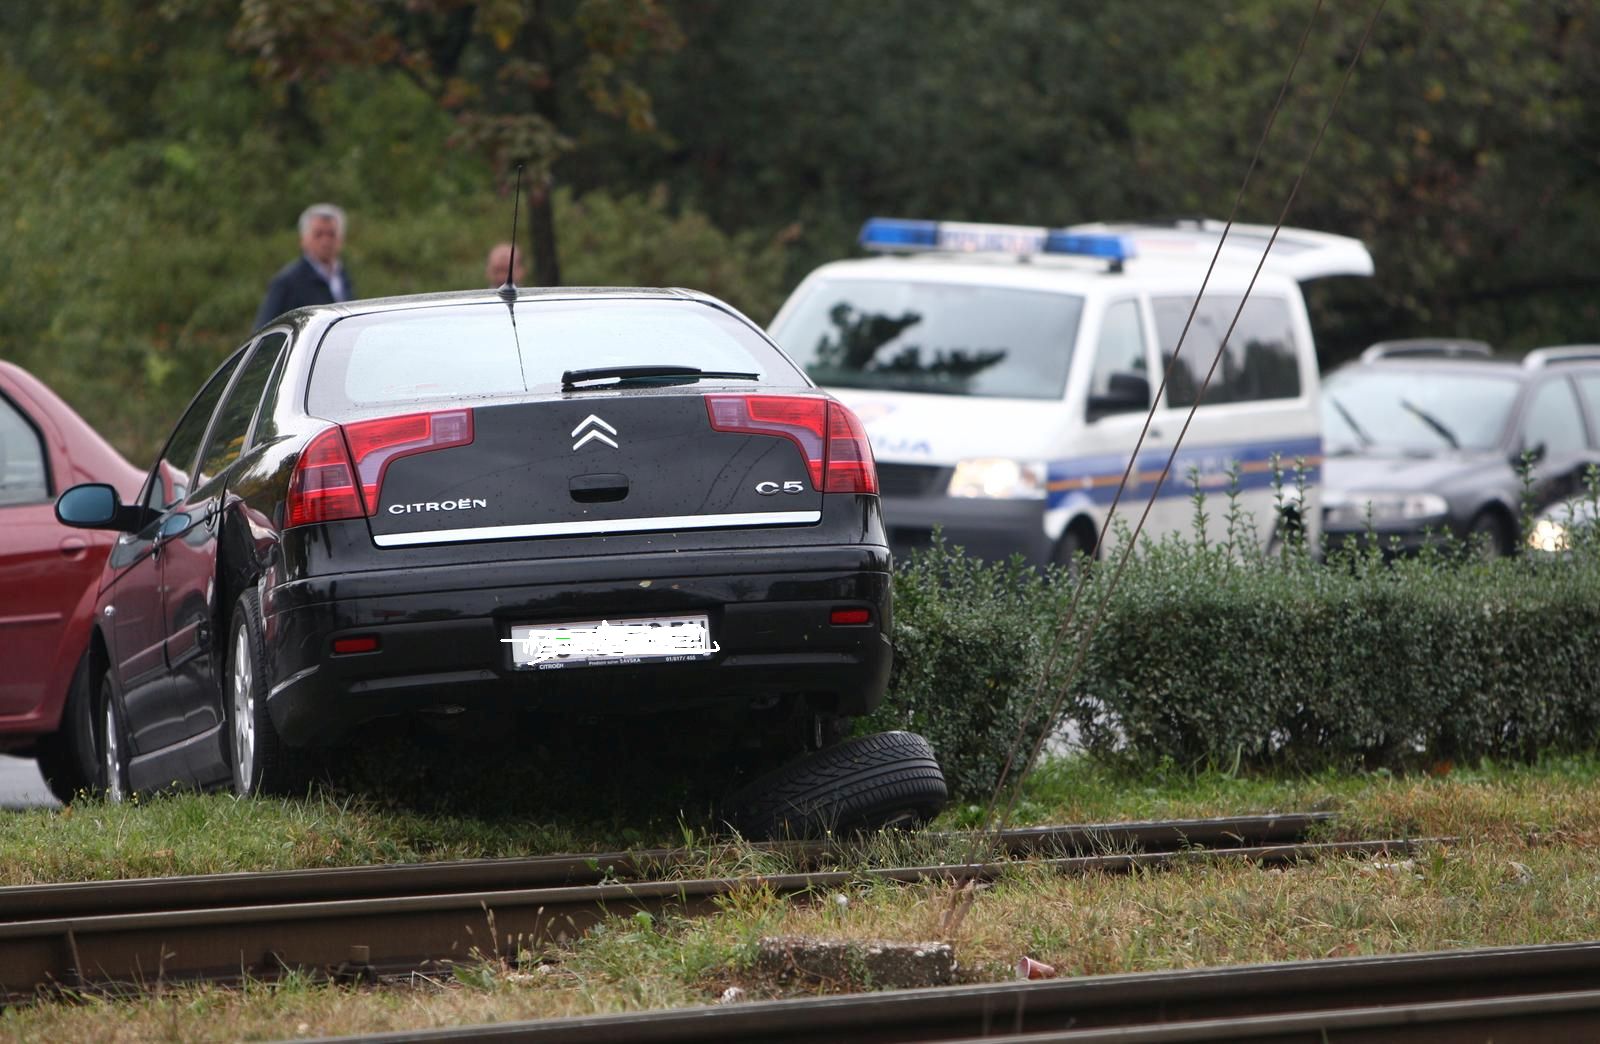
x,y
624,373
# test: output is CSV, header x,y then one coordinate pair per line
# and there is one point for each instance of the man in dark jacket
x,y
317,276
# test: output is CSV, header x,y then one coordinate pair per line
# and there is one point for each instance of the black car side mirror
x,y
1125,393
95,505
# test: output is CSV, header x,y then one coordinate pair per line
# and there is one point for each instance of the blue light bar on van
x,y
900,236
1089,244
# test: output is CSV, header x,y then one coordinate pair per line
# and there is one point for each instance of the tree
x,y
521,77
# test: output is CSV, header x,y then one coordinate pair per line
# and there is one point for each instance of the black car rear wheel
x,y
261,763
890,779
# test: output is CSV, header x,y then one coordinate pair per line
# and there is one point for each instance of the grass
x,y
1526,869
212,833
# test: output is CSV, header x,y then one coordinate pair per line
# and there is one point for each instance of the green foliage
x,y
969,644
1212,654
133,265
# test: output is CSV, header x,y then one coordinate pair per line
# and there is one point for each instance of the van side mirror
x,y
95,505
1125,393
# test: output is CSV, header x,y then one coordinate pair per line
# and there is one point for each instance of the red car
x,y
49,576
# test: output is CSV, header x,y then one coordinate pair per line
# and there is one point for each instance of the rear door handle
x,y
598,488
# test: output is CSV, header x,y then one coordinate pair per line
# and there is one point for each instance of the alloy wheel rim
x,y
113,748
244,711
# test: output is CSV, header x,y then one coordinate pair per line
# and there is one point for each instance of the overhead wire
x,y
1070,615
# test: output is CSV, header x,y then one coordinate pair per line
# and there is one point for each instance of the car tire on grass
x,y
890,779
261,762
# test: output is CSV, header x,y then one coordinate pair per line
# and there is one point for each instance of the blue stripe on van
x,y
1097,477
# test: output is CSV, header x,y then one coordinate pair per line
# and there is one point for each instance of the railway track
x,y
1508,995
371,921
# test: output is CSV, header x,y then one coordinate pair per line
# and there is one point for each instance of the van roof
x,y
1060,275
1124,249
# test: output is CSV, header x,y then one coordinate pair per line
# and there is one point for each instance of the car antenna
x,y
508,289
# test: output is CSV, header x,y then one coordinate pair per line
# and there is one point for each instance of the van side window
x,y
1260,361
1119,359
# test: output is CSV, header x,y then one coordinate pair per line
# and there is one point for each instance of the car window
x,y
1554,419
1590,386
475,351
226,441
1121,348
945,338
1260,360
23,476
173,469
266,422
1409,411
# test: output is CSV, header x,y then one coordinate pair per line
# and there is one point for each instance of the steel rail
x,y
1527,993
397,934
38,902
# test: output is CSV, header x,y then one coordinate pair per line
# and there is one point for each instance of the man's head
x,y
494,271
322,232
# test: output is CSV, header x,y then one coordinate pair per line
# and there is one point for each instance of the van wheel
x,y
261,763
876,782
69,758
1071,551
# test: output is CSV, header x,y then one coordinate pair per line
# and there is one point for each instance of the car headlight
x,y
1548,535
1352,509
999,478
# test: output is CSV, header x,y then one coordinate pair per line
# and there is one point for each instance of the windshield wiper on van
x,y
1366,440
1431,421
626,373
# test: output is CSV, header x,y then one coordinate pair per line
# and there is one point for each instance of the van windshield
x,y
945,338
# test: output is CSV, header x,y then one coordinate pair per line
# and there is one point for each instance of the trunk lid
x,y
592,465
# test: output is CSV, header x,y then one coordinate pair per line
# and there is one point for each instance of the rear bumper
x,y
441,634
993,530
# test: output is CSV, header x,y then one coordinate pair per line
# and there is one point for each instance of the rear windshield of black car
x,y
472,352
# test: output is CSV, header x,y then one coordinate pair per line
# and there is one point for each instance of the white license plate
x,y
595,643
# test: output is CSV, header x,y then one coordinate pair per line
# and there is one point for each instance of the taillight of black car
x,y
828,435
324,485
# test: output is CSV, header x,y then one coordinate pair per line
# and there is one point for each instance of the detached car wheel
x,y
262,764
890,779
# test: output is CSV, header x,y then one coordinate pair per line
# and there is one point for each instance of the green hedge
x,y
1210,658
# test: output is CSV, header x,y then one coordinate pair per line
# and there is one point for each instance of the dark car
x,y
48,574
583,502
1420,445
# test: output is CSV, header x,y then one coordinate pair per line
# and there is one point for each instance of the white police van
x,y
1003,373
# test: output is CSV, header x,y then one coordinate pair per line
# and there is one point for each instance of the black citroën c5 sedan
x,y
557,501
